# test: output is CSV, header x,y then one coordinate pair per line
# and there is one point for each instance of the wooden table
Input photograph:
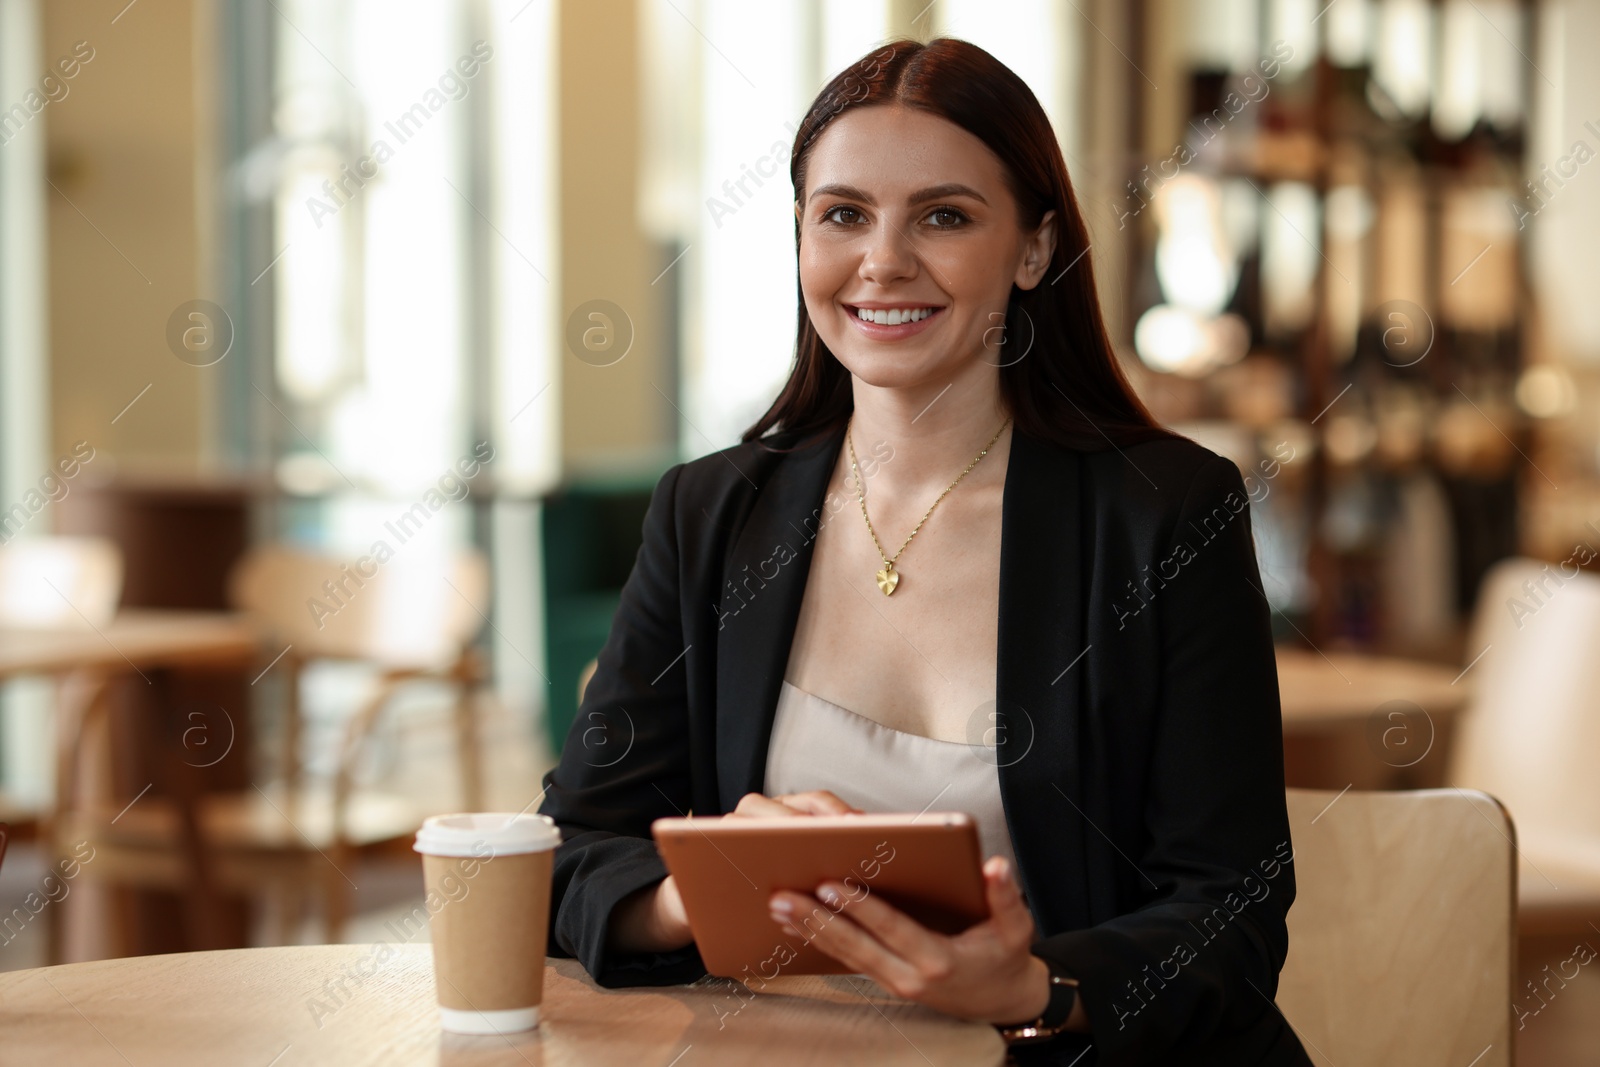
x,y
138,640
348,1005
1375,722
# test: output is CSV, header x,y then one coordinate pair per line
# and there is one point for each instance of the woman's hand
x,y
651,919
811,802
986,972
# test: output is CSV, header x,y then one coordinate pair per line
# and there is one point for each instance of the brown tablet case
x,y
727,868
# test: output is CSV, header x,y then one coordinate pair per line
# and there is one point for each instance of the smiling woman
x,y
1000,142
1126,773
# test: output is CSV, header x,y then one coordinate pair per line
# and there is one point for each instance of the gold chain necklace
x,y
888,578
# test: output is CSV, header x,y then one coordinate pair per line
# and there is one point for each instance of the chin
x,y
897,367
886,371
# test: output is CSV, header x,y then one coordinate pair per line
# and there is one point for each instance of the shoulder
x,y
735,473
1162,477
1168,467
748,464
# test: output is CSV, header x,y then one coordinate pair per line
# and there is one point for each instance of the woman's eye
x,y
953,217
832,214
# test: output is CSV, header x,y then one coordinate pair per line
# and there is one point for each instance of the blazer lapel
x,y
764,582
1040,671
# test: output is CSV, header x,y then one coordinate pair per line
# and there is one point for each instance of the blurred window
x,y
410,178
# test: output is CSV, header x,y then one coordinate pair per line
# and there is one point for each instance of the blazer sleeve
x,y
625,763
1201,958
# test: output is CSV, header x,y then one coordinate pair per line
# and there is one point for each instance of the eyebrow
x,y
932,192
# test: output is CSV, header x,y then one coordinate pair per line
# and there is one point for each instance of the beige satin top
x,y
817,744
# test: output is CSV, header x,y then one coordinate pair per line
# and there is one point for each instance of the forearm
x,y
644,921
1153,977
594,874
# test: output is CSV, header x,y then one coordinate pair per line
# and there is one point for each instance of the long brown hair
x,y
1068,387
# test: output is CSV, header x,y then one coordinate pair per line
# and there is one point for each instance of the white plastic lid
x,y
504,832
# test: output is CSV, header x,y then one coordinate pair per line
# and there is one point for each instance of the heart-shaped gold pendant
x,y
888,578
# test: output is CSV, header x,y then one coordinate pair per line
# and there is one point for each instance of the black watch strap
x,y
1058,1009
1063,996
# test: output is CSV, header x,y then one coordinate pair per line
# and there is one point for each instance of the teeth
x,y
893,316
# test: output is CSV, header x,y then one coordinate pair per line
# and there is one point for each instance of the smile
x,y
891,324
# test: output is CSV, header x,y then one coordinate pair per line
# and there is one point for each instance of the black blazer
x,y
1142,772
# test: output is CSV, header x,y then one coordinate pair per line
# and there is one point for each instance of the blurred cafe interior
x,y
343,342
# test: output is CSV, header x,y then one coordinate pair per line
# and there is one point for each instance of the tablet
x,y
726,869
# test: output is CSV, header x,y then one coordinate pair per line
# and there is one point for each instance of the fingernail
x,y
780,907
829,895
1005,871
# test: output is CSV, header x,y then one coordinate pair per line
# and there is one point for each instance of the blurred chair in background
x,y
55,583
412,620
1402,941
1531,734
58,583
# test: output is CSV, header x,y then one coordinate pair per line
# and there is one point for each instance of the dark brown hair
x,y
1068,386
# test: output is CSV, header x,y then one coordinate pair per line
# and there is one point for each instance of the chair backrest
x,y
1531,732
59,582
406,612
1402,945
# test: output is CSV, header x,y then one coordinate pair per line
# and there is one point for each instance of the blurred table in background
x,y
375,1004
1374,722
135,640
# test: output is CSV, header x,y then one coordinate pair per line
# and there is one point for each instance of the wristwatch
x,y
1053,1020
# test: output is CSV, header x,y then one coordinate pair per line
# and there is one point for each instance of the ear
x,y
1037,252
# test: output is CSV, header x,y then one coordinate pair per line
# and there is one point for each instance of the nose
x,y
889,256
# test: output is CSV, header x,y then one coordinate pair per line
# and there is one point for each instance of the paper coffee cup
x,y
487,877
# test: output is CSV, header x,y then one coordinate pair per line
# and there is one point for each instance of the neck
x,y
935,429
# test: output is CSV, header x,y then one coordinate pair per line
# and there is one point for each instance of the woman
x,y
956,564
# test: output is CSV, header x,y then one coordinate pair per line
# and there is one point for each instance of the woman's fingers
x,y
1009,917
812,802
981,972
897,931
819,802
836,934
755,805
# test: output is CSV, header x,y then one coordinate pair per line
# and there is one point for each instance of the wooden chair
x,y
414,621
57,583
50,583
1531,734
1402,940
